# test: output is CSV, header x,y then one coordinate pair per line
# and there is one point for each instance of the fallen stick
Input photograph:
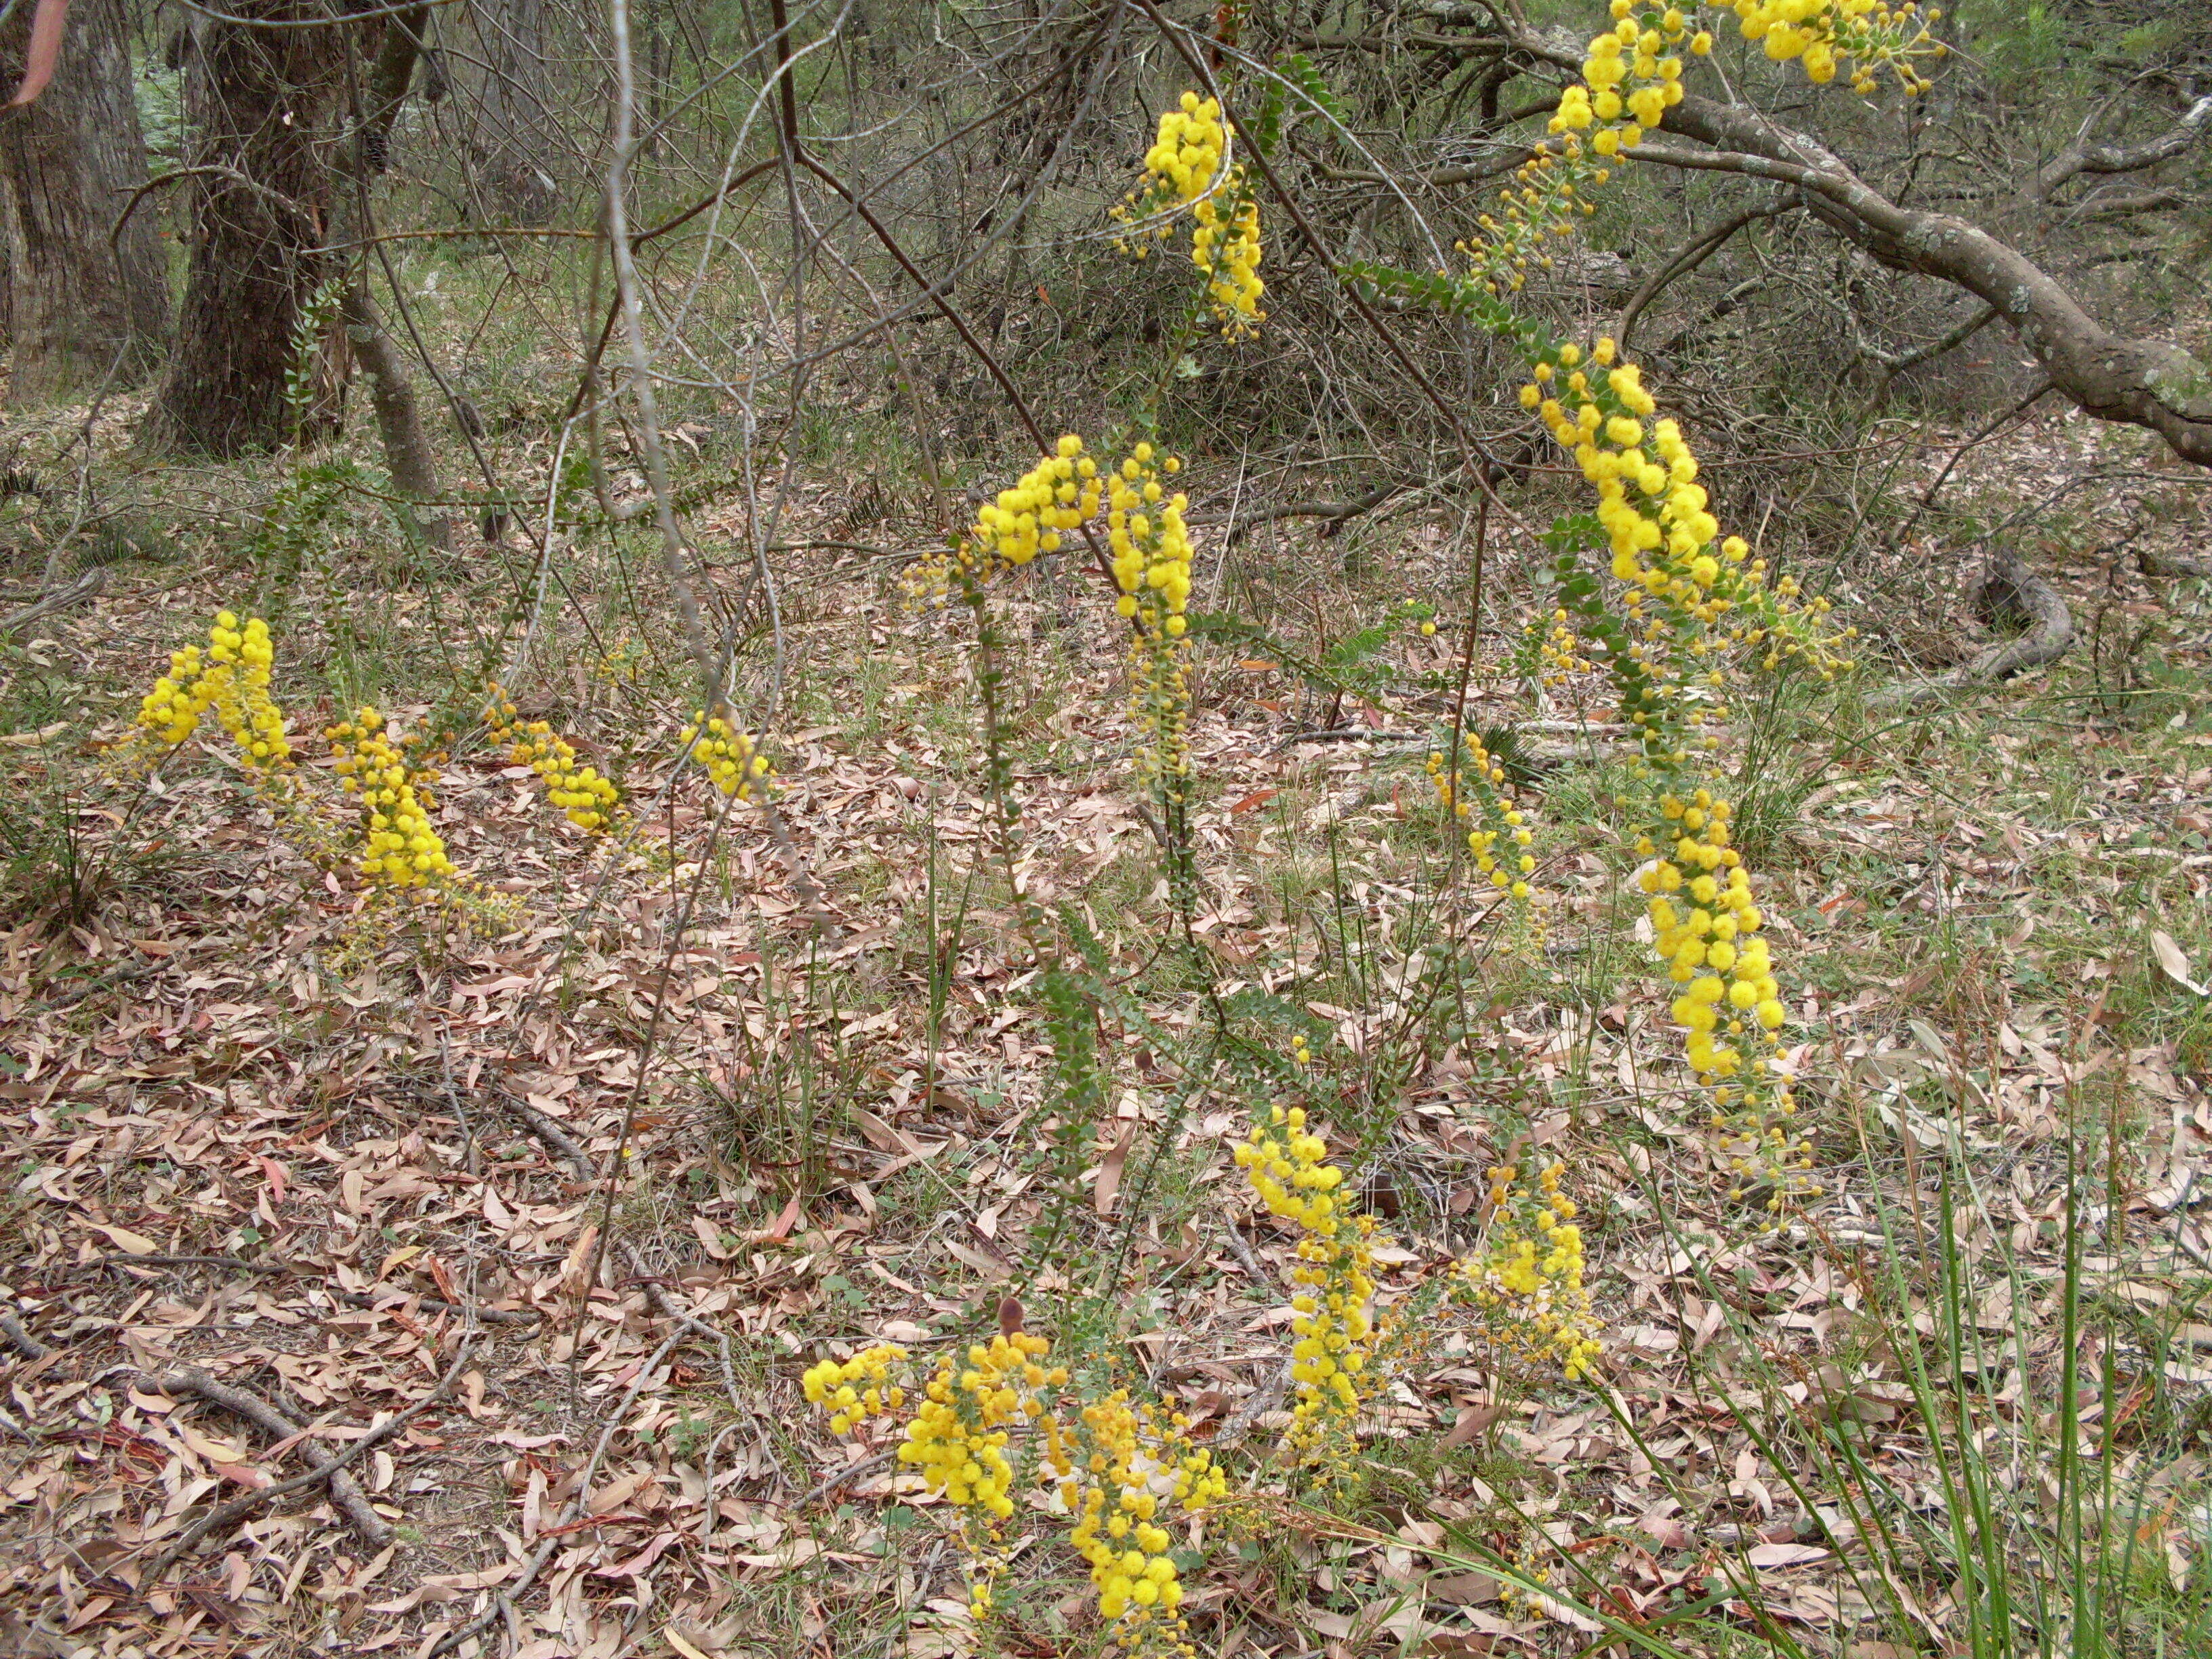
x,y
666,1304
466,1311
1241,1249
83,588
554,1139
332,1471
850,1473
2009,589
2172,564
21,1340
344,1491
1261,1400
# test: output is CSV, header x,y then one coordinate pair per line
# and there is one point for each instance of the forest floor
x,y
584,1190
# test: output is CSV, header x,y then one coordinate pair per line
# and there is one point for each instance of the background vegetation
x,y
633,359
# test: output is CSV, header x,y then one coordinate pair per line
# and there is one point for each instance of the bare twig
x,y
1349,734
1262,1400
353,1298
21,1340
2172,564
1241,1247
550,1134
1334,512
1894,365
1693,253
344,1492
2079,158
502,1607
329,1471
846,1476
1981,435
83,587
2007,588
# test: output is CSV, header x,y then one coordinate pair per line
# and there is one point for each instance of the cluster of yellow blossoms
x,y
1150,552
959,1437
230,678
1530,1278
854,1390
1684,590
1186,168
1288,1168
1695,606
1115,1469
1558,649
400,849
1866,35
1060,493
1119,1470
589,800
1633,75
1152,567
1225,246
731,755
1481,784
1705,928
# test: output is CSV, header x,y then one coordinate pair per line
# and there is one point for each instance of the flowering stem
x,y
1467,657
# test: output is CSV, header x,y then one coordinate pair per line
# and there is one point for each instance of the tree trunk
x,y
263,108
78,305
514,122
399,416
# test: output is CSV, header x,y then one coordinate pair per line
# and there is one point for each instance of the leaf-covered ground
x,y
585,1196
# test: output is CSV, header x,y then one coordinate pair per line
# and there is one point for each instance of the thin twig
x,y
850,1473
1261,1400
1349,734
1241,1247
246,1503
354,1298
555,1139
83,588
345,1492
1981,436
503,1605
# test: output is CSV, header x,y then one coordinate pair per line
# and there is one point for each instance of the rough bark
x,y
2011,592
514,125
2008,591
2145,383
263,108
2085,157
407,451
78,305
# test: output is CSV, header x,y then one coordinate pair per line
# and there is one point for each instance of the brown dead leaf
x,y
2175,961
1108,1181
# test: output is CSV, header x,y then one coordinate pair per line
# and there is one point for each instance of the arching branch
x,y
2079,158
2147,383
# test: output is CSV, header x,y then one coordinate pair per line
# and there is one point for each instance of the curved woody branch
x,y
2152,383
